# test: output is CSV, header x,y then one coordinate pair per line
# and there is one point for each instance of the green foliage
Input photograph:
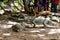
x,y
5,1
0,3
1,0
20,3
31,3
59,6
15,9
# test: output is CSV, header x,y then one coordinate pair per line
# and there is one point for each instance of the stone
x,y
18,27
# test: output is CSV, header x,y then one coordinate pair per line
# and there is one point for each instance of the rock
x,y
18,27
1,11
22,16
55,19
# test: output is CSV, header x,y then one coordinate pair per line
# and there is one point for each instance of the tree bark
x,y
25,6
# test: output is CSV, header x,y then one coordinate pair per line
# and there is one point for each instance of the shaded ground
x,y
29,33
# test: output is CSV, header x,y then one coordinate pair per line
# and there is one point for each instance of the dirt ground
x,y
29,33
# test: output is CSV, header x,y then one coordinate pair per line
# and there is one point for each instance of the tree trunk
x,y
25,6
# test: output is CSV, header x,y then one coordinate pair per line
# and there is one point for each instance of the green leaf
x,y
5,1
